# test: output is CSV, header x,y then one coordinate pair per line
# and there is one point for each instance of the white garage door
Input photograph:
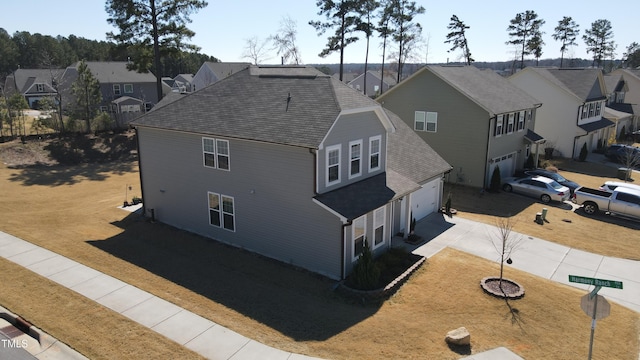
x,y
507,165
425,201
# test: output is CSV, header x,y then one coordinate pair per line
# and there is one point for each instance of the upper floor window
x,y
432,121
585,111
40,87
420,119
619,97
598,108
521,116
333,164
499,123
591,109
529,114
116,89
510,123
355,159
374,153
128,88
216,153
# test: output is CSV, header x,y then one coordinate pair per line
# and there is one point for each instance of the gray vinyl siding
x,y
508,143
272,187
462,129
351,127
350,262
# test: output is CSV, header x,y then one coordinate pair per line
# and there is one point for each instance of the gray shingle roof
x,y
116,72
224,69
286,105
488,89
596,125
579,82
24,78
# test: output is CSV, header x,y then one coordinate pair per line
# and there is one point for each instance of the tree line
x,y
23,50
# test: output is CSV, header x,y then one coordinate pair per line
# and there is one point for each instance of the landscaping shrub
x,y
496,181
583,152
366,273
529,164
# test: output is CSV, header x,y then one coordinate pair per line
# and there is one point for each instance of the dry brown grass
x,y
71,210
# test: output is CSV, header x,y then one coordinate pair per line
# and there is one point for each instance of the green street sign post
x,y
596,282
589,302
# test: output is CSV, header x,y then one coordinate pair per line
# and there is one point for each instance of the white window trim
x,y
353,235
116,89
222,212
499,125
423,121
521,121
339,164
204,152
125,88
371,153
227,155
427,122
40,87
376,226
351,158
209,193
511,122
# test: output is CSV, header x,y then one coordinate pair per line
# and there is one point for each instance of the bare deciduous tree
x,y
506,243
285,41
255,50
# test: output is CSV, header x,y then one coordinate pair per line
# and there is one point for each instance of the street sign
x,y
597,282
588,305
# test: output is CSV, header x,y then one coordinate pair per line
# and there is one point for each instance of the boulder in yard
x,y
459,336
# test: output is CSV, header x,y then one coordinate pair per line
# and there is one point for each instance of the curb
x,y
50,347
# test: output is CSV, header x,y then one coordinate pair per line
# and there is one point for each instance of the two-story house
x,y
125,92
632,93
617,110
376,83
289,163
574,102
474,118
33,84
211,72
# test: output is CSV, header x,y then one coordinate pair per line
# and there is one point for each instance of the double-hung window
x,y
510,123
333,165
355,158
432,122
358,231
128,88
222,211
40,87
374,153
216,153
378,226
591,109
499,124
420,119
521,117
598,108
116,89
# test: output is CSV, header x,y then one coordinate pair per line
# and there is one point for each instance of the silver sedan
x,y
538,187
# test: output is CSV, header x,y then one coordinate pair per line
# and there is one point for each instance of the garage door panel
x,y
425,200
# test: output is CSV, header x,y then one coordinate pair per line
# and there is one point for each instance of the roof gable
x,y
115,72
585,84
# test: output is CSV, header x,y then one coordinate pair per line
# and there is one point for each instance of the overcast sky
x,y
223,27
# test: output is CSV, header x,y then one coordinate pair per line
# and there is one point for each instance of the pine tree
x,y
365,274
496,180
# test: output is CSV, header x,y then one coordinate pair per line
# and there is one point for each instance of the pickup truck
x,y
622,201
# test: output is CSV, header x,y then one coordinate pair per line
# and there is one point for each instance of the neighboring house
x,y
183,83
33,84
632,94
474,118
347,77
116,81
211,72
374,82
617,110
289,163
573,107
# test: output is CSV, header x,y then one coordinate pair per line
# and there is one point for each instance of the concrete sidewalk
x,y
536,256
186,328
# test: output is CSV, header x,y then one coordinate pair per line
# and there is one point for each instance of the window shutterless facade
x,y
216,153
222,211
128,88
374,153
378,226
355,158
432,122
333,164
420,119
116,89
499,124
